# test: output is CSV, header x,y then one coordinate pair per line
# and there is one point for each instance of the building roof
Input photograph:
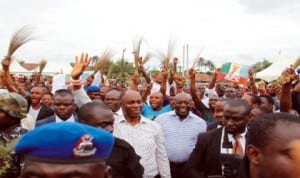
x,y
30,66
203,78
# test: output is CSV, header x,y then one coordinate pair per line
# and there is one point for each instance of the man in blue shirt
x,y
181,128
156,106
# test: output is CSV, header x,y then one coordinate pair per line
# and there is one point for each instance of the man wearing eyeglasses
x,y
113,100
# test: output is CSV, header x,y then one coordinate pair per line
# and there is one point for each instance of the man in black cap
x,y
65,150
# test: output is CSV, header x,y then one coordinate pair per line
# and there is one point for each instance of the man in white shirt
x,y
64,107
144,135
36,109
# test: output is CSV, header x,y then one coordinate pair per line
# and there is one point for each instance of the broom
x,y
170,53
103,61
286,79
136,53
19,38
42,65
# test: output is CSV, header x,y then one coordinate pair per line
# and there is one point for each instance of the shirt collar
x,y
173,113
70,119
242,135
143,120
119,112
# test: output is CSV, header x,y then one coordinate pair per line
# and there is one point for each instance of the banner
x,y
62,81
234,72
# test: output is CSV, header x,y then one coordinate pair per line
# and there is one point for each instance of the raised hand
x,y
165,72
287,76
149,86
141,69
136,79
6,63
192,73
175,60
80,65
251,74
140,61
180,81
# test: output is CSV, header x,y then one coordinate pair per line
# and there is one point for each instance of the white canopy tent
x,y
274,70
16,68
52,68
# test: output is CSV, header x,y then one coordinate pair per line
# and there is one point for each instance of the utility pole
x,y
183,57
187,58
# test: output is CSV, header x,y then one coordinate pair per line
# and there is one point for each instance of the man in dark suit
x,y
205,161
218,114
123,159
35,109
64,107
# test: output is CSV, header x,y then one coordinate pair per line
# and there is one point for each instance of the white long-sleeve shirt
x,y
148,141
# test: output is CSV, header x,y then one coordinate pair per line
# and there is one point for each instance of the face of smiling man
x,y
156,101
183,104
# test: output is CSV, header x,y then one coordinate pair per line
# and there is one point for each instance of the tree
x,y
94,60
21,62
211,66
203,64
259,66
121,70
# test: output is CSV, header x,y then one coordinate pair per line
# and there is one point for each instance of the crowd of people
x,y
161,127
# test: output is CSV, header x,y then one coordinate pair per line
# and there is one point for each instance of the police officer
x,y
123,159
65,150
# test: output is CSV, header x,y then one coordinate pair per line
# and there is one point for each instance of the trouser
x,y
177,170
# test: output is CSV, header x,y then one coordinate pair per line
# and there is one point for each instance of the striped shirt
x,y
180,136
148,141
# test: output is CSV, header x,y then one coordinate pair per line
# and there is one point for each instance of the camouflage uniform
x,y
10,165
15,106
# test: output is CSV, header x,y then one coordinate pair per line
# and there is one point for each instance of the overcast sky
x,y
242,31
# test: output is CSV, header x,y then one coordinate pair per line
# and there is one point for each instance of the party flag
x,y
234,73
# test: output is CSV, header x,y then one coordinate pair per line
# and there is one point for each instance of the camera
x,y
231,162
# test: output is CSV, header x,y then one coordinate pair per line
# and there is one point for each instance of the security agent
x,y
123,159
13,109
65,150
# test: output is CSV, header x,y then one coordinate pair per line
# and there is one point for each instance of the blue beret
x,y
66,142
93,88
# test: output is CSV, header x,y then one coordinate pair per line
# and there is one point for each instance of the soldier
x,y
13,108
